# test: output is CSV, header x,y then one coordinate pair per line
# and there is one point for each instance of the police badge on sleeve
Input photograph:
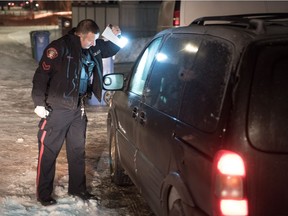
x,y
51,53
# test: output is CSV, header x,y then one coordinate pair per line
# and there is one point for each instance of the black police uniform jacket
x,y
56,80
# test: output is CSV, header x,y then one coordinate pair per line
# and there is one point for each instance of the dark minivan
x,y
201,124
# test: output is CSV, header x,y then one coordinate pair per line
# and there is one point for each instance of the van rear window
x,y
268,113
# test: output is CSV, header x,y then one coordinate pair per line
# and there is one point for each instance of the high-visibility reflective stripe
x,y
40,155
43,125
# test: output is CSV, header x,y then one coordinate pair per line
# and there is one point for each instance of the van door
x,y
157,121
127,107
174,71
203,64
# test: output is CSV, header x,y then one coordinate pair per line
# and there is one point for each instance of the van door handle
x,y
142,118
135,112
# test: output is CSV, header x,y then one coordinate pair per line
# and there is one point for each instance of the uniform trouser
x,y
58,126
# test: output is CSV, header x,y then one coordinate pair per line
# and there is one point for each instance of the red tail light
x,y
234,207
229,184
176,18
231,164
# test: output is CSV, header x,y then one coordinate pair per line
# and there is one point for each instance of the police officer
x,y
69,70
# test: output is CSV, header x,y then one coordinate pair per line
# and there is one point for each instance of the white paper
x,y
109,35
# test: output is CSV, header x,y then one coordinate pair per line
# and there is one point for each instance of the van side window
x,y
205,80
141,70
165,87
189,78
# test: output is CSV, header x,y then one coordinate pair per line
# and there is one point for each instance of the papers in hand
x,y
109,35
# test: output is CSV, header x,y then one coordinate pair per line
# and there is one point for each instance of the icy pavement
x,y
18,146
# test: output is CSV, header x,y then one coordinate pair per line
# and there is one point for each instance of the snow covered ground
x,y
18,145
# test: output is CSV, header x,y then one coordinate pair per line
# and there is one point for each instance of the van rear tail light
x,y
231,164
176,18
229,184
234,207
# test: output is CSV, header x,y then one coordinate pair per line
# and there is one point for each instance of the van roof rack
x,y
252,21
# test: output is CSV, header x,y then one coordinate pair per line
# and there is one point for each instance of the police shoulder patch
x,y
51,53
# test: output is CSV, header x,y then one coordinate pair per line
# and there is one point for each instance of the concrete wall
x,y
135,18
139,19
103,14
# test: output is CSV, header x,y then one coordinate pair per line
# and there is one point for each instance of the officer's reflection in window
x,y
196,104
186,72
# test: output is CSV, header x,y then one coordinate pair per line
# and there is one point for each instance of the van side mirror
x,y
113,82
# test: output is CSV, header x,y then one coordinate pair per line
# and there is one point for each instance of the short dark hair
x,y
87,25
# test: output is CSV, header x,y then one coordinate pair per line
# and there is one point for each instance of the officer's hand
x,y
116,30
41,111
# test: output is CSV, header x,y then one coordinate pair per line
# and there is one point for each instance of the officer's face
x,y
88,40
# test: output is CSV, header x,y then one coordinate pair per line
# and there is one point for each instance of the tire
x,y
177,209
117,173
175,206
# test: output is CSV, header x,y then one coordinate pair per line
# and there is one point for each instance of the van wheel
x,y
177,209
117,173
175,206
